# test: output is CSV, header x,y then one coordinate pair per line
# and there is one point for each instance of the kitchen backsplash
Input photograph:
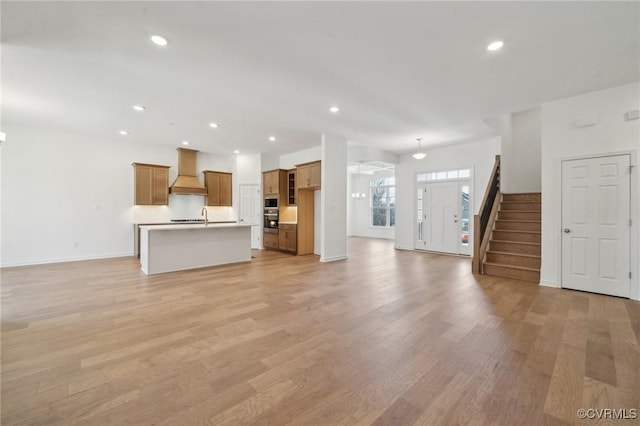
x,y
181,207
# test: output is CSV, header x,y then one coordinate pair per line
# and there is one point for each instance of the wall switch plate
x,y
632,115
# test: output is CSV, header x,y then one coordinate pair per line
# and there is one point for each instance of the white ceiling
x,y
398,71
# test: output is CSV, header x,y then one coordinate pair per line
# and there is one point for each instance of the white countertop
x,y
182,223
193,226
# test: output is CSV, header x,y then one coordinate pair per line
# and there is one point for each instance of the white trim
x,y
332,259
64,260
549,284
634,203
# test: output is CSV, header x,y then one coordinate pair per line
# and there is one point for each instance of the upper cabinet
x,y
151,184
308,175
274,182
291,187
218,186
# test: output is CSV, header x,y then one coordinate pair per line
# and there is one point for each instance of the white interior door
x,y
250,209
596,225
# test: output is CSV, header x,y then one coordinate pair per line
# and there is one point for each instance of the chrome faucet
x,y
204,213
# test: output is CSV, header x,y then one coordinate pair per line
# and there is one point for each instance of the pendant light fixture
x,y
419,154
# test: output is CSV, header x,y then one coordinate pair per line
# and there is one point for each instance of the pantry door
x,y
596,225
250,210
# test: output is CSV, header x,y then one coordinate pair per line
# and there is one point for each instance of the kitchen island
x,y
166,248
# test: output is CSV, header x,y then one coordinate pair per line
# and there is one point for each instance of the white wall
x,y
270,162
247,170
365,154
480,156
520,150
58,190
333,225
359,208
562,139
289,161
524,160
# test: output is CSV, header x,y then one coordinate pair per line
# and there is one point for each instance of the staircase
x,y
514,247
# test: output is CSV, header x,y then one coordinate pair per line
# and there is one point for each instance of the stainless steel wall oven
x,y
271,220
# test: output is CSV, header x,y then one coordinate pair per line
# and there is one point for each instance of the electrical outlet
x,y
76,243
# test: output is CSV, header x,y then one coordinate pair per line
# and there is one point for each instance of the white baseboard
x,y
549,284
333,259
63,260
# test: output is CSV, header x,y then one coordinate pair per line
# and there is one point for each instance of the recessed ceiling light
x,y
185,142
213,125
124,132
236,152
495,45
334,109
159,40
139,108
272,138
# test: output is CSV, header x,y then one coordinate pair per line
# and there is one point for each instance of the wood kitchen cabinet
x,y
151,183
287,236
219,188
270,240
308,175
292,191
274,182
305,228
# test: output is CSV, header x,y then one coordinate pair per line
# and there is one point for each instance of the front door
x,y
250,209
596,225
443,217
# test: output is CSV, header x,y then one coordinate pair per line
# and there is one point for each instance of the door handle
x,y
566,230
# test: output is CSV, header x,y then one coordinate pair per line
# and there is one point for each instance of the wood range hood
x,y
187,181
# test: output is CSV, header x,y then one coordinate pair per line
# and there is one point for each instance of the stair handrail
x,y
483,222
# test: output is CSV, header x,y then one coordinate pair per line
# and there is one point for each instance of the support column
x,y
333,199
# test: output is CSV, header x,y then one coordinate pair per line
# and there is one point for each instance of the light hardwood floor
x,y
386,337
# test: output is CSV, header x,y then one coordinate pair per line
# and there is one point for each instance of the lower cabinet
x,y
270,240
288,237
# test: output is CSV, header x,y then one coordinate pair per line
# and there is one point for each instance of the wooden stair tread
x,y
502,265
514,254
520,211
516,242
515,230
517,220
521,193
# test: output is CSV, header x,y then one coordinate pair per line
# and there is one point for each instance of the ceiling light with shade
x,y
419,154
